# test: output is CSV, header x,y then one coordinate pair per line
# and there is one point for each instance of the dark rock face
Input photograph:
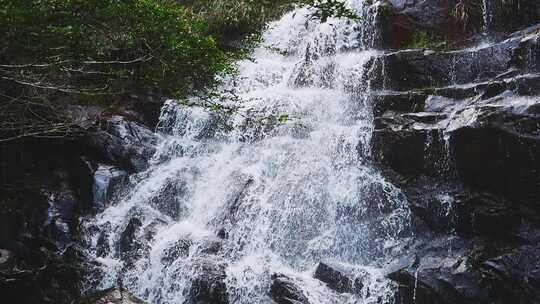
x,y
483,153
284,291
485,214
430,273
129,245
337,279
123,142
456,22
458,132
47,184
515,275
208,284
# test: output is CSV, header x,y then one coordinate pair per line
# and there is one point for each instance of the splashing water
x,y
263,198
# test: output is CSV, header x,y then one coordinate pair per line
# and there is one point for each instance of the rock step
x,y
414,101
406,70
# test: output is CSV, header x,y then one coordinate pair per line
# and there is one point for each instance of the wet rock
x,y
112,296
123,142
208,284
107,179
402,150
176,251
515,275
418,69
437,276
407,70
62,215
485,214
499,152
102,246
432,202
284,291
170,198
338,279
129,245
403,102
456,22
6,259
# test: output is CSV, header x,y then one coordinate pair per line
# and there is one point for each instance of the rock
x,y
338,279
401,19
284,291
456,22
102,246
402,150
123,142
6,260
436,275
432,202
170,198
112,296
83,116
407,70
498,151
107,179
176,251
485,214
62,215
129,244
208,284
402,102
515,275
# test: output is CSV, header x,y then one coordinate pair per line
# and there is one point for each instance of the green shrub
x,y
422,40
98,50
107,46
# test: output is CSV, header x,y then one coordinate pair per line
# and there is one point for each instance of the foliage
x,y
236,18
105,46
325,9
422,40
54,50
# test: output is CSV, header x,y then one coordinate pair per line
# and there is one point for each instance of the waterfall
x,y
263,198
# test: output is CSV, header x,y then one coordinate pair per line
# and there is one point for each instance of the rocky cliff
x,y
48,184
463,121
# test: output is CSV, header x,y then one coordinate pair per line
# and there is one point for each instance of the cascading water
x,y
263,199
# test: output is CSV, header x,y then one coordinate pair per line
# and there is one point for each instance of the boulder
x,y
123,142
338,279
129,244
284,291
208,284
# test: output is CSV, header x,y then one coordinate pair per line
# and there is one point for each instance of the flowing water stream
x,y
263,198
